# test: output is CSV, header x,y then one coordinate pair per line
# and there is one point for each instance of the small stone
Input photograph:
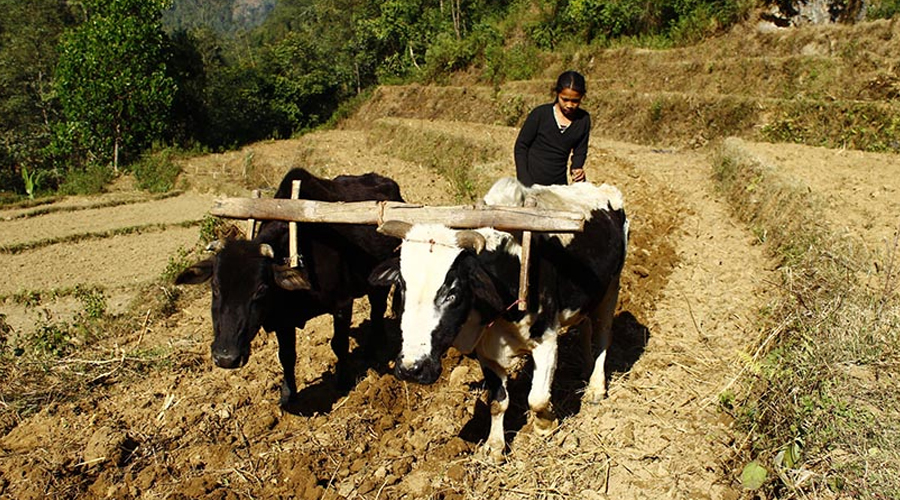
x,y
456,473
458,375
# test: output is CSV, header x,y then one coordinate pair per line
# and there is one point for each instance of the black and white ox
x,y
460,289
253,287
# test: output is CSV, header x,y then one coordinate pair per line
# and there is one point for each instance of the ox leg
x,y
602,333
544,355
378,303
498,400
586,331
340,344
287,354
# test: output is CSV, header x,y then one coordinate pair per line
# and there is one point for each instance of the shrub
x,y
157,170
93,299
90,180
516,62
884,9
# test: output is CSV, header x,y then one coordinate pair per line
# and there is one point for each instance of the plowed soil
x,y
693,283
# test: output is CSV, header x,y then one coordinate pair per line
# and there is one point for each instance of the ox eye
x,y
449,297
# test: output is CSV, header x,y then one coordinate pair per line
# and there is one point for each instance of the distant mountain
x,y
222,16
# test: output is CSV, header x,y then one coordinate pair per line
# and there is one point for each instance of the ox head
x,y
243,276
445,292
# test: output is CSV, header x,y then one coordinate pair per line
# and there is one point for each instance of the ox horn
x,y
395,228
471,240
266,251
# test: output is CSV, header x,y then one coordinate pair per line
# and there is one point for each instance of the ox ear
x,y
386,273
483,287
196,274
290,278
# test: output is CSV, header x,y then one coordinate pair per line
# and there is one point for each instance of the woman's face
x,y
568,101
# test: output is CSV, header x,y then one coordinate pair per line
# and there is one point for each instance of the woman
x,y
552,133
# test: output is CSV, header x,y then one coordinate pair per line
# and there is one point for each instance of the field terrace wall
x,y
834,86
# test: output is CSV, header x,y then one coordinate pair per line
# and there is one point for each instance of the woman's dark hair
x,y
570,80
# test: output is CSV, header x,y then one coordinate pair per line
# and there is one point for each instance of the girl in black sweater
x,y
552,133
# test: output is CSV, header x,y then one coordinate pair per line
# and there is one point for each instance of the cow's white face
x,y
432,294
446,290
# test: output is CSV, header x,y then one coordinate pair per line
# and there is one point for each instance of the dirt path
x,y
693,281
662,420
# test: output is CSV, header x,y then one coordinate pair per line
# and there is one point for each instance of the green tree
x,y
306,87
111,80
29,32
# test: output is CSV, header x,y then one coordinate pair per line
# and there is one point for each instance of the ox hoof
x,y
544,426
492,454
288,397
594,396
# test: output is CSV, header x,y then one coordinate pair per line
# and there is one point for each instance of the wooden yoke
x,y
527,219
371,212
292,228
526,261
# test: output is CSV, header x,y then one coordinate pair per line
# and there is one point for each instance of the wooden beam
x,y
374,212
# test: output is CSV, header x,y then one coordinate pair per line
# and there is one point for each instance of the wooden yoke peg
x,y
292,229
526,261
250,231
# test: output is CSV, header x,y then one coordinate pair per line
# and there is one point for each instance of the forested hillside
x,y
225,17
91,87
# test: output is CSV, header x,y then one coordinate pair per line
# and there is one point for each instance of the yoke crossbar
x,y
526,219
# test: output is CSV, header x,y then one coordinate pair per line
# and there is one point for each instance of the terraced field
x,y
157,420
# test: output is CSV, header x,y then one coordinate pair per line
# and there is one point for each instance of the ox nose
x,y
408,372
421,371
227,359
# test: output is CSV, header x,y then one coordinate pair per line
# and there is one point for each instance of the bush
x,y
446,55
885,9
90,180
157,170
517,62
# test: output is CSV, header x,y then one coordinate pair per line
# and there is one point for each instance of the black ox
x,y
253,287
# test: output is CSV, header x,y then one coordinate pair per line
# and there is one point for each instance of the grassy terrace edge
x,y
818,409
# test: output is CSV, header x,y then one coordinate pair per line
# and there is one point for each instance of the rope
x,y
514,304
381,206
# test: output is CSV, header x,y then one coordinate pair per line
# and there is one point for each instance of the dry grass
x,y
823,384
467,162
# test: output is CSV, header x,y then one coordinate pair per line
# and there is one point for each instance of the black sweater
x,y
542,152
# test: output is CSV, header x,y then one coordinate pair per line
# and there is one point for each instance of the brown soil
x,y
694,281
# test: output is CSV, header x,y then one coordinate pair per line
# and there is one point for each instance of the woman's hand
x,y
578,175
